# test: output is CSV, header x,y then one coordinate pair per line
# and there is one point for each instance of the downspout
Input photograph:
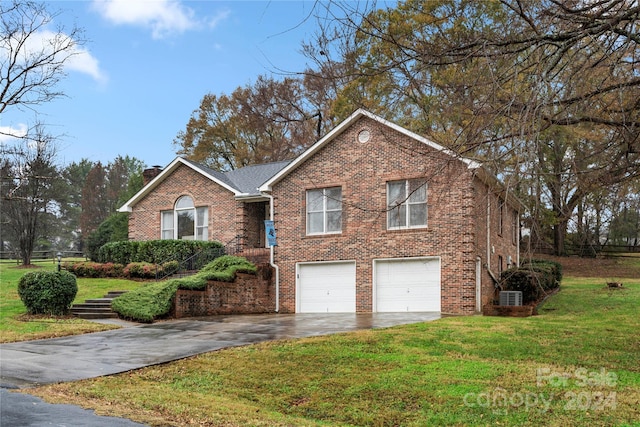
x,y
272,254
496,282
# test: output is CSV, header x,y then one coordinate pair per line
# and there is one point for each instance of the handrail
x,y
233,247
191,263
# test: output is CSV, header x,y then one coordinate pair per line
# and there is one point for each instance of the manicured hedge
x,y
48,292
534,278
154,300
134,270
224,269
158,251
146,303
94,269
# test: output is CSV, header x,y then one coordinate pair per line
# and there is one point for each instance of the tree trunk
x,y
559,233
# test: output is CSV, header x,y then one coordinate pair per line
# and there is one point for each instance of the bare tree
x,y
28,174
547,90
32,56
268,121
32,60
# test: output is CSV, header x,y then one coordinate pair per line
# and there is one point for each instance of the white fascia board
x,y
267,186
470,163
246,197
128,206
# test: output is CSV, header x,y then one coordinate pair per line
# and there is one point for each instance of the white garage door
x,y
408,284
326,287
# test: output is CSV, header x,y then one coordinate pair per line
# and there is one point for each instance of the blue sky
x,y
148,63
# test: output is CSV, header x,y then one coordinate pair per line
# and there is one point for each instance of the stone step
x,y
93,304
97,308
99,301
94,313
76,309
114,294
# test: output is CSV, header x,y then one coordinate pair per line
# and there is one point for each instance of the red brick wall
x,y
144,221
252,224
248,294
503,245
362,170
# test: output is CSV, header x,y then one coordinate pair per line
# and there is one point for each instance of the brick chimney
x,y
150,173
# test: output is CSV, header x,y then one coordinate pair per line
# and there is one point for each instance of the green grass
x,y
575,364
16,326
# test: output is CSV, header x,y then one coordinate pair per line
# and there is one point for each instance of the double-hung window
x,y
185,221
406,204
324,211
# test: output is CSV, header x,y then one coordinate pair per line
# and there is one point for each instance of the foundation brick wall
x,y
248,294
362,170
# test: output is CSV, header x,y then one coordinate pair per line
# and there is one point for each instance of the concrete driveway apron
x,y
31,363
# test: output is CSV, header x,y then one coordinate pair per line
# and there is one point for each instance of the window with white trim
x,y
406,204
185,221
324,210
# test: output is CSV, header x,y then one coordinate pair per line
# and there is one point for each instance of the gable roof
x,y
472,164
243,182
249,178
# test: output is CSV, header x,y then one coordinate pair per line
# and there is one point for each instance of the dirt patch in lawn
x,y
619,266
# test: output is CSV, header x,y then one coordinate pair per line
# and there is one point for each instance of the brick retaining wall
x,y
248,294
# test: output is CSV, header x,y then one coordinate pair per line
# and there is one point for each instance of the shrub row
x,y
158,251
154,300
534,278
48,292
133,270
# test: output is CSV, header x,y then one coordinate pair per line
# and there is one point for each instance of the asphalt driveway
x,y
31,363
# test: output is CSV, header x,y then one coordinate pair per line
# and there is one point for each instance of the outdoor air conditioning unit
x,y
510,298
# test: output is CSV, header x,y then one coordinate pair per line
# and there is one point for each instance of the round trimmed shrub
x,y
48,292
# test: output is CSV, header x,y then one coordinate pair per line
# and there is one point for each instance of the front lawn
x,y
15,325
575,364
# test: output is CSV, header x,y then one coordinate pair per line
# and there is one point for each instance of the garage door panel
x,y
407,285
327,287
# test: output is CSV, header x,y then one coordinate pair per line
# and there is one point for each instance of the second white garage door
x,y
407,284
327,287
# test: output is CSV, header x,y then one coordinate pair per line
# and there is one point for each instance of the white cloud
x,y
163,17
77,58
219,17
86,63
10,133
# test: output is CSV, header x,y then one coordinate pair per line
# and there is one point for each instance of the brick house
x,y
371,218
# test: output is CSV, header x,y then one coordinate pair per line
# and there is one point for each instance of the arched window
x,y
185,221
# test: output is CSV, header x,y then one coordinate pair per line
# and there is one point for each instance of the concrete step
x,y
114,294
99,301
97,308
94,314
